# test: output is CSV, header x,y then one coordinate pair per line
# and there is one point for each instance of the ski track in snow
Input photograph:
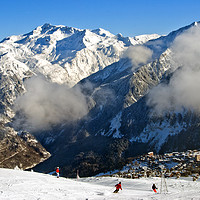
x,y
24,185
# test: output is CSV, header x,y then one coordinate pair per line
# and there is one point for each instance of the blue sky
x,y
128,17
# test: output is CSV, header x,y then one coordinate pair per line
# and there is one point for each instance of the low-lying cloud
x,y
138,55
46,104
183,89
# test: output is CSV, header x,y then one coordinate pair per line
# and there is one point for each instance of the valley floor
x,y
24,185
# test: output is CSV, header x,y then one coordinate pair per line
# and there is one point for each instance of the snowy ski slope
x,y
24,185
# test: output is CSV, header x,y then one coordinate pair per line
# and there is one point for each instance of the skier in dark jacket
x,y
154,188
118,186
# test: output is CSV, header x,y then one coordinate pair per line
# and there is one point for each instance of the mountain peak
x,y
102,32
46,25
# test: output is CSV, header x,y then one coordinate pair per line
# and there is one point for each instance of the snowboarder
x,y
154,188
57,172
118,186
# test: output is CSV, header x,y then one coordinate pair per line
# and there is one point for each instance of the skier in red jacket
x,y
57,172
118,186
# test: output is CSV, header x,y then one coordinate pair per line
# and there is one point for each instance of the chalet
x,y
197,157
150,154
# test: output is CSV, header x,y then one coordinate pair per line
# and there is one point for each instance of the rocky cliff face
x,y
20,150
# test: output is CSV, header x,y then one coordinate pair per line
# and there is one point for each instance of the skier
x,y
57,172
118,186
154,188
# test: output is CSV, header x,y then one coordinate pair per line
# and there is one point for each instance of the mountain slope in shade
x,y
20,150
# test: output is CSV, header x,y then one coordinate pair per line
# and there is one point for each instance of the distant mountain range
x,y
93,99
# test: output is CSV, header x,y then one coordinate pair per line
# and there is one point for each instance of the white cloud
x,y
46,104
183,89
138,55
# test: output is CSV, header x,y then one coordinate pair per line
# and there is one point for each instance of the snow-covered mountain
x,y
111,112
135,109
65,54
